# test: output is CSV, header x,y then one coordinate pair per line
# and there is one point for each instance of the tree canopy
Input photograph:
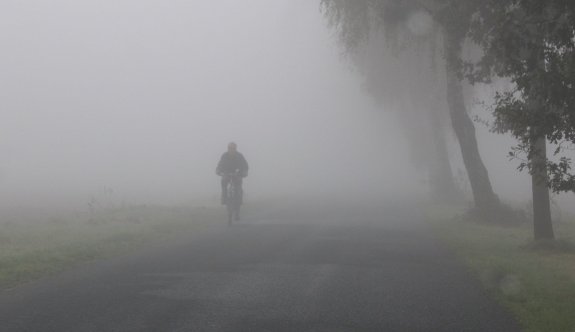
x,y
532,44
356,21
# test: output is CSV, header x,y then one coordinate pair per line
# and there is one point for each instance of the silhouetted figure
x,y
232,167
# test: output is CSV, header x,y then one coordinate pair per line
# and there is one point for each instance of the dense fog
x,y
136,101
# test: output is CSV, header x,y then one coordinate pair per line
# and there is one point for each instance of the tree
x,y
532,43
356,20
407,84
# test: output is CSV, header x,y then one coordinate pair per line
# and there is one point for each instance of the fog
x,y
140,98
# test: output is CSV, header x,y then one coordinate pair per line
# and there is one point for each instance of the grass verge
x,y
537,283
29,250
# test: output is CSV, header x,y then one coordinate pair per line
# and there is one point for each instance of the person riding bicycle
x,y
232,167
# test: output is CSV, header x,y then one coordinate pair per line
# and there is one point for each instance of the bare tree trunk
x,y
542,225
485,199
428,147
441,174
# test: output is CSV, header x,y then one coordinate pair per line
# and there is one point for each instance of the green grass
x,y
536,283
29,250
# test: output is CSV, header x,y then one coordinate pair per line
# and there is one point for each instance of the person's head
x,y
232,147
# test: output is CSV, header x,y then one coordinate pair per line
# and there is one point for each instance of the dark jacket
x,y
232,163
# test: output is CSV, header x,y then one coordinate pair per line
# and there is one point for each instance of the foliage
x,y
531,43
398,23
356,20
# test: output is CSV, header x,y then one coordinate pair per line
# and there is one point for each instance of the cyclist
x,y
232,163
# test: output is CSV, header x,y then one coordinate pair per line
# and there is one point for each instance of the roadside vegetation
x,y
418,58
32,249
535,280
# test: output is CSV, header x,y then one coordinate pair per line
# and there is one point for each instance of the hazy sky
x,y
143,96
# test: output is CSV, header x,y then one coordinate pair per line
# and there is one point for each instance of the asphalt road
x,y
316,268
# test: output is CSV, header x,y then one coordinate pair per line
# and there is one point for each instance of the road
x,y
298,268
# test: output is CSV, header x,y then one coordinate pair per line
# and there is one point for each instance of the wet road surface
x,y
325,268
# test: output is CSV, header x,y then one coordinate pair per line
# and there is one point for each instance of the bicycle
x,y
233,198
